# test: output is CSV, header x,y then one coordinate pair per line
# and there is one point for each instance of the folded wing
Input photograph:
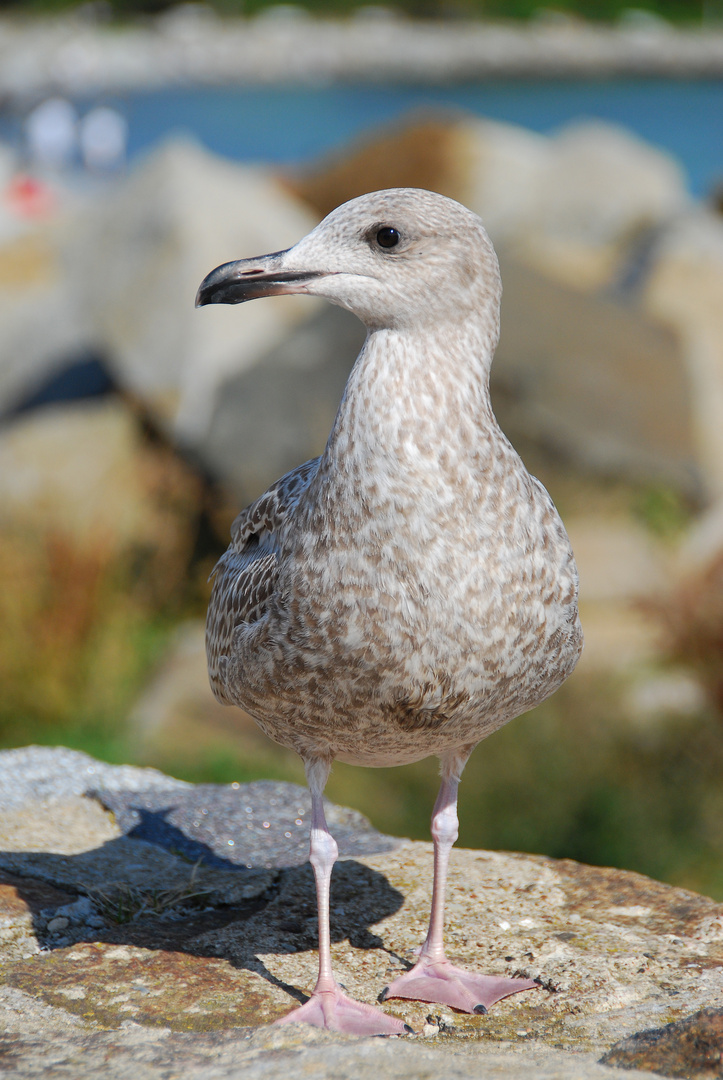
x,y
245,577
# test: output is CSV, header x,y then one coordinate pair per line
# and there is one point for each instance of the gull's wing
x,y
245,576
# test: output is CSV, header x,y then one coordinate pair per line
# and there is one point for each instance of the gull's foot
x,y
333,1010
438,981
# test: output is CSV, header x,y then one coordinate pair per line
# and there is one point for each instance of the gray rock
x,y
569,201
79,911
35,347
178,981
599,186
261,824
682,291
115,275
573,371
139,256
277,413
44,773
57,924
85,470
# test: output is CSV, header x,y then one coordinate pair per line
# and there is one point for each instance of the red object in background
x,y
29,198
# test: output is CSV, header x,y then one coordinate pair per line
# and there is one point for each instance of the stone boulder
x,y
571,202
85,471
120,955
683,291
601,383
271,416
598,194
42,326
140,255
621,564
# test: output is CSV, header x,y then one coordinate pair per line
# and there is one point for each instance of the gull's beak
x,y
248,279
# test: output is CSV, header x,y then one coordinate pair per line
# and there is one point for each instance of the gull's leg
x,y
433,978
329,1007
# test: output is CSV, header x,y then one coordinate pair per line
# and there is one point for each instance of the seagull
x,y
412,589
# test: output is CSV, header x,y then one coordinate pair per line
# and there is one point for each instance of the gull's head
x,y
399,259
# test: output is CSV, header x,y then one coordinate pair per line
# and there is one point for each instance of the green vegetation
x,y
682,11
76,641
663,511
84,622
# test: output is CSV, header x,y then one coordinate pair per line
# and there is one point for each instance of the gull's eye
x,y
387,237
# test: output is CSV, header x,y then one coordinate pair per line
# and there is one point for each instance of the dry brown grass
x,y
82,620
122,902
70,620
426,151
691,620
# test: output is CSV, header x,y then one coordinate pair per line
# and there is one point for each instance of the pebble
x,y
79,911
58,924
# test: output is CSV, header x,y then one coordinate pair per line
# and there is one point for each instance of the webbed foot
x,y
335,1011
438,981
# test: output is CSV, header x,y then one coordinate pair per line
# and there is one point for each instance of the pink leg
x,y
433,978
329,1007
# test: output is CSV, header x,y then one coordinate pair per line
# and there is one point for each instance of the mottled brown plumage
x,y
412,589
245,576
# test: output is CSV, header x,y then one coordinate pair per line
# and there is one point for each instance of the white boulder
x,y
141,256
84,471
684,291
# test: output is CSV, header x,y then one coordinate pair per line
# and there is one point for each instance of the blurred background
x,y
142,144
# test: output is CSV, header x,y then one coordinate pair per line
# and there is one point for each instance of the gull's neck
x,y
410,391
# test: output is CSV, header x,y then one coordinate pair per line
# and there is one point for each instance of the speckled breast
x,y
374,664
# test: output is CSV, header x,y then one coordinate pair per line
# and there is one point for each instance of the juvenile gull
x,y
413,589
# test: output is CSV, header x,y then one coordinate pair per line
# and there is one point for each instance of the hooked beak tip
x,y
249,279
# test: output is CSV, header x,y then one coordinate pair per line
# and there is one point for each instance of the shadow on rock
x,y
165,886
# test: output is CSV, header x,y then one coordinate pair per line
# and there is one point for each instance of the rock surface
x,y
277,412
573,370
119,954
85,470
140,255
42,773
41,324
683,290
691,1048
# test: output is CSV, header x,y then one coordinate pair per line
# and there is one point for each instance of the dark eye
x,y
387,237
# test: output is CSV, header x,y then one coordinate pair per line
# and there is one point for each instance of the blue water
x,y
293,125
